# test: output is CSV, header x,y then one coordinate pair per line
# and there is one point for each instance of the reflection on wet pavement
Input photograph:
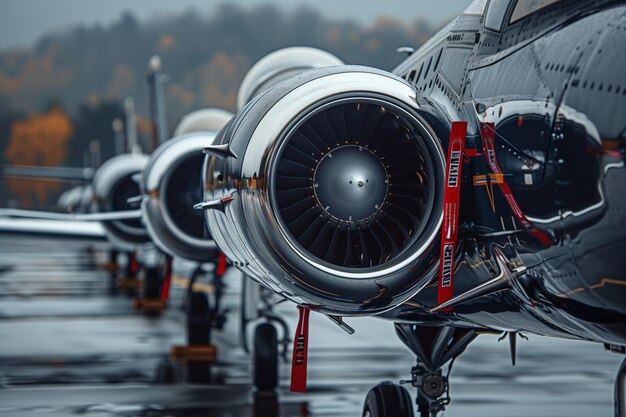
x,y
71,346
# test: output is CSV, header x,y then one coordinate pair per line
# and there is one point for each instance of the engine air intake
x,y
352,185
335,199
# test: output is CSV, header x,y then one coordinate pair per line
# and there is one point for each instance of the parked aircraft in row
x,y
478,187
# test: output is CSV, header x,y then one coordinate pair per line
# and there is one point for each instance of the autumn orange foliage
x,y
40,140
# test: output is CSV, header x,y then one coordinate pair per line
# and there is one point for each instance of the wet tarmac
x,y
69,345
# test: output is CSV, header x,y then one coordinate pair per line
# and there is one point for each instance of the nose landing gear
x,y
257,306
202,305
265,357
388,399
434,347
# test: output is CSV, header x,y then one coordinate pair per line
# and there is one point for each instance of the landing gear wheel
x,y
152,284
198,333
266,404
112,268
198,319
265,357
388,400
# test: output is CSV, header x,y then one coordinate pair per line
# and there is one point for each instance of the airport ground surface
x,y
69,346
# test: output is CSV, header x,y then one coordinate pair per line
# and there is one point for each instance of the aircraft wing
x,y
47,173
83,225
71,217
61,228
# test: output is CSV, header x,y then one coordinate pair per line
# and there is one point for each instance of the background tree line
x,y
65,92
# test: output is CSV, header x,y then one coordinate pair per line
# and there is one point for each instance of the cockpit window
x,y
495,14
476,8
524,8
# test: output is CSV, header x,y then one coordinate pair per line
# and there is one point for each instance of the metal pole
x,y
156,81
131,126
118,133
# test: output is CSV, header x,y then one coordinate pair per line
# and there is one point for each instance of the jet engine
x,y
279,66
172,184
331,191
76,200
113,185
202,121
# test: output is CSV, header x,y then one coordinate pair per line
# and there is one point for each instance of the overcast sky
x,y
22,22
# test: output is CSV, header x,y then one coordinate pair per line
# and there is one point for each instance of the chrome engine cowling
x,y
172,185
335,199
203,120
77,200
281,65
113,185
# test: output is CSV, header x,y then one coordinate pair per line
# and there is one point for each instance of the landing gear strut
x,y
152,283
156,284
112,268
620,391
203,316
128,281
434,347
198,334
257,303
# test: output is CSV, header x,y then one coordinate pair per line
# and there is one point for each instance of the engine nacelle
x,y
335,199
281,65
172,184
203,120
76,200
113,185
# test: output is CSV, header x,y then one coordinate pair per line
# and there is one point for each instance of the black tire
x,y
265,357
266,404
198,333
112,271
198,319
152,283
388,400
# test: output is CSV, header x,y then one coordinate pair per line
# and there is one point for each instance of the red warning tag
x,y
134,263
487,132
449,229
220,270
167,279
300,350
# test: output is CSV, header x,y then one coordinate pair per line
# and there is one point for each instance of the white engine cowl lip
x,y
115,169
169,152
108,176
163,229
268,251
186,247
280,65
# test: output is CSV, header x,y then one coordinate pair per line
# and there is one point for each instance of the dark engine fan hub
x,y
353,184
350,183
